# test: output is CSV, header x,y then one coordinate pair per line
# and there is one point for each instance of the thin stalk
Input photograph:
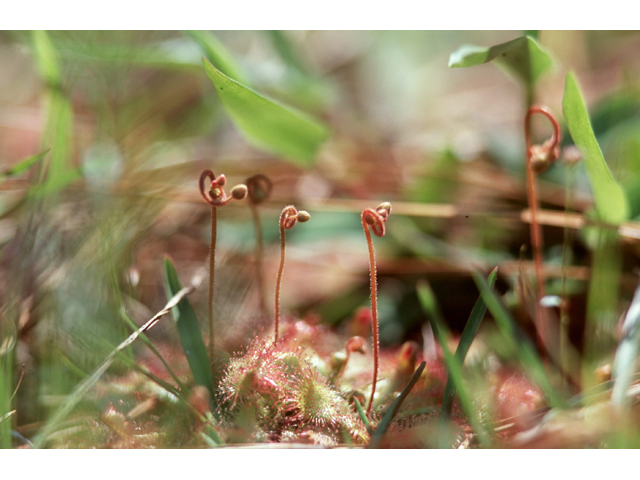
x,y
288,218
539,157
258,191
283,244
536,244
216,197
259,249
374,310
212,263
374,220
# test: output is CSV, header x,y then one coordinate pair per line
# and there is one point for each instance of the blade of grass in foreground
x,y
384,424
625,361
189,332
83,387
23,166
428,303
468,334
526,351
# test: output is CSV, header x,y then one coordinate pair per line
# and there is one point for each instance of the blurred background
x,y
128,120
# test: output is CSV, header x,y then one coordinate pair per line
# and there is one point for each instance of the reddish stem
x,y
288,218
539,157
216,197
375,220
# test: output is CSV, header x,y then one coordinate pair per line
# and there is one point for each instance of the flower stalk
x,y
373,221
216,196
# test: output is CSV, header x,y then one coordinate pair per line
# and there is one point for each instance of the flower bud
x,y
239,191
303,216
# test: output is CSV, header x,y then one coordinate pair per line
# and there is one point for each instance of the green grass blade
x,y
362,414
46,58
627,353
218,55
526,351
155,351
21,167
384,424
6,386
522,57
267,124
189,331
610,201
83,387
59,131
428,302
468,334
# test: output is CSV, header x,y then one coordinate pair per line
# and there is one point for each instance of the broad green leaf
x,y
384,424
454,365
627,353
189,331
526,351
522,57
610,201
466,339
268,124
24,165
218,55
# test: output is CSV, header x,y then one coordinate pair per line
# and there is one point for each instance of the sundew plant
x,y
428,240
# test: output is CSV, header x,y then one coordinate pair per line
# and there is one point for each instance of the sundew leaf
x,y
627,353
454,365
466,339
267,124
189,331
610,201
218,55
522,57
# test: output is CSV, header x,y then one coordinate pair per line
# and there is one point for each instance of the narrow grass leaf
x,y
46,58
268,124
627,353
218,54
468,334
155,351
362,414
83,387
21,167
522,57
384,424
428,302
610,201
526,352
189,331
